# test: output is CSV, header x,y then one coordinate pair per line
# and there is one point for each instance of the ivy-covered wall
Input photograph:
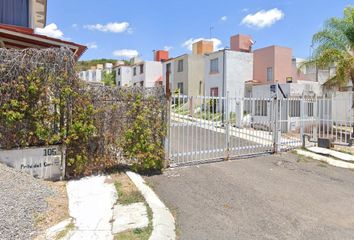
x,y
42,102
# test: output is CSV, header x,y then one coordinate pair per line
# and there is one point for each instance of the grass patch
x,y
344,149
303,159
174,212
127,197
70,227
39,218
322,164
128,194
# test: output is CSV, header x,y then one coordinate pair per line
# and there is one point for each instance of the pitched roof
x,y
20,37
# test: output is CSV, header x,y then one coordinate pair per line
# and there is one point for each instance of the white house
x,y
92,75
146,73
108,67
226,73
95,74
296,100
124,76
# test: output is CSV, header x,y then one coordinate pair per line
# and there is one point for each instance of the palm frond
x,y
335,47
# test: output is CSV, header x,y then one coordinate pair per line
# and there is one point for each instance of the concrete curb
x,y
52,232
329,160
332,153
163,221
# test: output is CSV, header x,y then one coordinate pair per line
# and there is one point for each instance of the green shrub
x,y
44,103
143,142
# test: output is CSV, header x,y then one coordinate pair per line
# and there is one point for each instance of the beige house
x,y
186,72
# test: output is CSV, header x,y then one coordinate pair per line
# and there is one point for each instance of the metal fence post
x,y
315,116
276,125
302,114
168,120
227,125
63,161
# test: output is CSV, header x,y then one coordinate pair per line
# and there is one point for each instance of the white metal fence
x,y
205,128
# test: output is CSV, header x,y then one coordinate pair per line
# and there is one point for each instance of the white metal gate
x,y
204,128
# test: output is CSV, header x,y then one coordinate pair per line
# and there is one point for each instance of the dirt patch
x,y
129,194
127,191
57,207
126,185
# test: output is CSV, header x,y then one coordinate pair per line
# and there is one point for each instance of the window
x,y
118,72
118,83
141,68
180,87
14,12
214,92
200,87
180,66
134,71
214,65
261,108
270,74
294,108
168,67
142,83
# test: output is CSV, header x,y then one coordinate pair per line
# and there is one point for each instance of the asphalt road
x,y
270,197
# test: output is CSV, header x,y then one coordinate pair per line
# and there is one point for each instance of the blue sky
x,y
118,29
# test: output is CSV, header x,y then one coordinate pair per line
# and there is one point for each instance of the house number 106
x,y
50,152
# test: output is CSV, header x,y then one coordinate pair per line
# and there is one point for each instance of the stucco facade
x,y
124,76
146,73
231,76
186,74
273,64
92,75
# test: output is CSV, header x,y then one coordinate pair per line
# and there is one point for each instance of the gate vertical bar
x,y
168,115
275,123
227,125
302,116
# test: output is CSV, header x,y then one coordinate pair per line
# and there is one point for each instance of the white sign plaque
x,y
44,162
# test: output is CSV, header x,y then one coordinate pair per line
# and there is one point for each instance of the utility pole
x,y
210,32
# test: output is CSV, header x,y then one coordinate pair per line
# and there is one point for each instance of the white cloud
x,y
75,25
223,18
92,45
50,30
263,18
127,53
114,27
189,43
168,48
245,9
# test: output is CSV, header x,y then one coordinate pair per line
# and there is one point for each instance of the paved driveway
x,y
269,197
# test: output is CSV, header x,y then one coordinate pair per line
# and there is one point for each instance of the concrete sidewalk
x,y
96,216
271,197
90,204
